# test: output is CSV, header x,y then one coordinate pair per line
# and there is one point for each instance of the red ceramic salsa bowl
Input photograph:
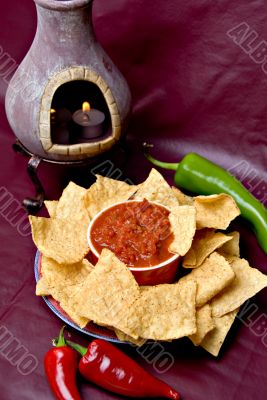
x,y
158,269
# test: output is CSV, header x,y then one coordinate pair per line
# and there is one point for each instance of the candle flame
x,y
52,111
86,106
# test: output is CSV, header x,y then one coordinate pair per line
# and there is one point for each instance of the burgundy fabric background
x,y
193,89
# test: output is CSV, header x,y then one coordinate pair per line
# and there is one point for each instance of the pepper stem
x,y
82,350
61,339
161,164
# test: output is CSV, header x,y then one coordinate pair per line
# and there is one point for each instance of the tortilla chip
x,y
64,241
155,188
108,294
62,281
167,312
60,275
248,281
204,324
68,307
205,242
232,247
215,211
183,226
105,192
71,203
42,287
211,278
182,198
126,338
51,207
213,341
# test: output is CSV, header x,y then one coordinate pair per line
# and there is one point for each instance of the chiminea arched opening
x,y
79,114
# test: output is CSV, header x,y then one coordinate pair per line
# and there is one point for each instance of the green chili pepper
x,y
199,175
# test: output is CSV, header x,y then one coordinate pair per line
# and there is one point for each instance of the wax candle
x,y
53,116
59,125
90,121
61,116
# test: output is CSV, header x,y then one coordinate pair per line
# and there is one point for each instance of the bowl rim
x,y
95,252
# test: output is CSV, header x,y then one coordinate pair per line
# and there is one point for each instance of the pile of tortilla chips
x,y
202,305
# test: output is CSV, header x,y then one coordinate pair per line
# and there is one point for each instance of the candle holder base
x,y
34,204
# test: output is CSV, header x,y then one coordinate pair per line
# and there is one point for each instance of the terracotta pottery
x,y
65,65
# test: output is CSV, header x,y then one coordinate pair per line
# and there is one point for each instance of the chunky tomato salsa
x,y
137,232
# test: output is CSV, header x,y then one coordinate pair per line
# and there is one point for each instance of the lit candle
x,y
59,125
53,116
90,121
60,116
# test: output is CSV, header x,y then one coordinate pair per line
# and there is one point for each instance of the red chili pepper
x,y
61,365
106,366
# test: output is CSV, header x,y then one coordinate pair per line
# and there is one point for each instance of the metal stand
x,y
33,205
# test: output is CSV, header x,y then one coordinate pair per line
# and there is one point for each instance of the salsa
x,y
138,233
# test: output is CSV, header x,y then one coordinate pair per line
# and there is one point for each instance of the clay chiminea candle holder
x,y
67,101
